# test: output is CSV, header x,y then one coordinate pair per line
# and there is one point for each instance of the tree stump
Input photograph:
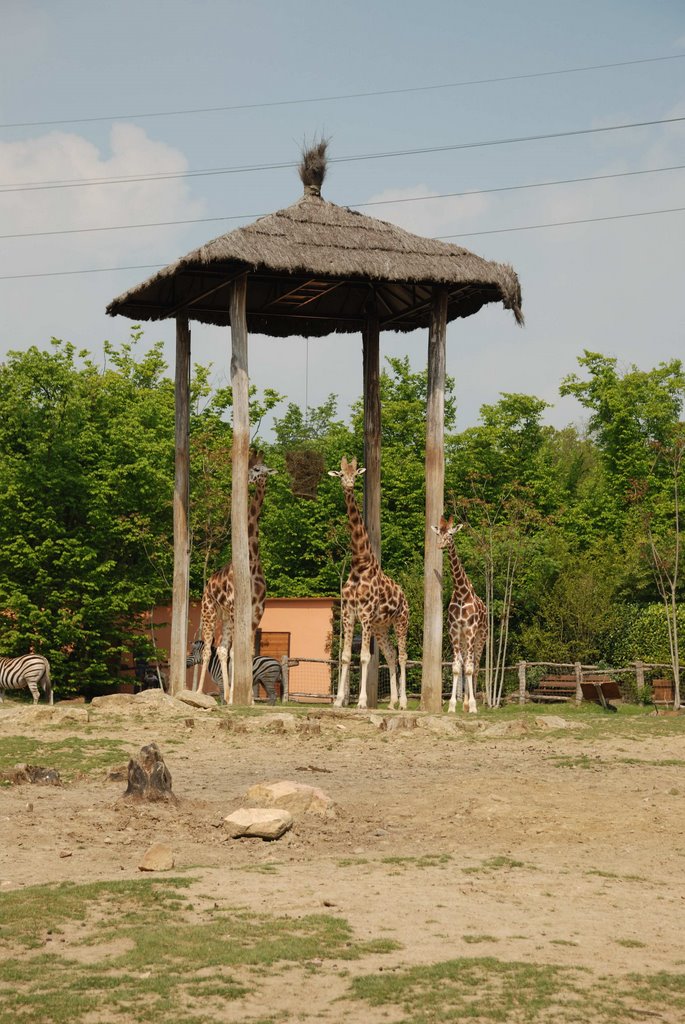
x,y
148,776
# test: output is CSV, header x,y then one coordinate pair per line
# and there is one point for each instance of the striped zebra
x,y
266,671
27,671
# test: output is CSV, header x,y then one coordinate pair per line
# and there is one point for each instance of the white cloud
x,y
68,157
435,216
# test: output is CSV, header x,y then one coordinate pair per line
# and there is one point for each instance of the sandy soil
x,y
594,815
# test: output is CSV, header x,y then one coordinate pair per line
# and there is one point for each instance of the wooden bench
x,y
561,687
601,690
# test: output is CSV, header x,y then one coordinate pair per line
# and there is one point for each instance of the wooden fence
x,y
525,681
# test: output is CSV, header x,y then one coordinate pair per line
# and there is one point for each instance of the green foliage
x,y
86,462
563,529
641,634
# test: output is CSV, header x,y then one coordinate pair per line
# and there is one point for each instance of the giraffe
x,y
373,598
218,596
467,620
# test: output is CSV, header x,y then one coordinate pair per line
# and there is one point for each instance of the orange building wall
x,y
309,620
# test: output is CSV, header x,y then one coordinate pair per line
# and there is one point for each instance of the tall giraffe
x,y
218,597
373,598
467,620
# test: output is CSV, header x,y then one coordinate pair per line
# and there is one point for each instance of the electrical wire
x,y
343,96
356,206
125,179
523,227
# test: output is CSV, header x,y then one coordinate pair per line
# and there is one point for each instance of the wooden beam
x,y
431,681
179,609
372,461
242,636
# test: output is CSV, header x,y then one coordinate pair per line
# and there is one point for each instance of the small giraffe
x,y
373,598
467,620
218,597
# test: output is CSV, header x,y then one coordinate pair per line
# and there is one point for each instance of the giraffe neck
x,y
361,547
253,521
460,581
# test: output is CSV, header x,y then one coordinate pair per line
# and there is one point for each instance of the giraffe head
x,y
446,531
256,468
348,473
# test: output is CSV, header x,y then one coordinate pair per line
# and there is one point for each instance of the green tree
x,y
86,464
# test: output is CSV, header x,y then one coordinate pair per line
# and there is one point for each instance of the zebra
x,y
26,671
266,671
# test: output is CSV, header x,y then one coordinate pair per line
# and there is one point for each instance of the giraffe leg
x,y
389,655
343,694
364,659
469,695
457,665
207,628
401,634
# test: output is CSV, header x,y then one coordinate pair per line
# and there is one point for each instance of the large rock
x,y
112,700
292,796
195,699
258,822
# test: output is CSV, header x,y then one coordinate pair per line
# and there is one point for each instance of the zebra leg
x,y
35,693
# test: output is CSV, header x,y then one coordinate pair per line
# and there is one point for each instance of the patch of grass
x,y
496,864
261,869
475,939
70,756
428,860
351,862
141,943
631,943
488,989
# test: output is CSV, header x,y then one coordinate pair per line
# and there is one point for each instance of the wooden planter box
x,y
663,691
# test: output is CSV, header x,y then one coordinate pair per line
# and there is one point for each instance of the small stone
x,y
159,857
65,853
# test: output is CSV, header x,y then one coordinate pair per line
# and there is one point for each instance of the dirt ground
x,y
528,837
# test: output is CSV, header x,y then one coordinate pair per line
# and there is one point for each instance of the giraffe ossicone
x,y
467,621
374,599
218,598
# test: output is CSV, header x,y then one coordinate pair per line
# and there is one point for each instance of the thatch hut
x,y
309,270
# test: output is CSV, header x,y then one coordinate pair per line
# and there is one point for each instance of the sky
x,y
95,91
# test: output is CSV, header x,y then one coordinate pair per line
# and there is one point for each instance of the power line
x,y
343,96
379,202
565,223
522,227
124,179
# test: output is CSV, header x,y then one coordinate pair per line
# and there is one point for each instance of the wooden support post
x,y
372,462
285,669
522,682
579,679
639,678
242,634
431,680
180,599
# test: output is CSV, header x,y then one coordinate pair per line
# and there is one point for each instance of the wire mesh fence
x,y
316,680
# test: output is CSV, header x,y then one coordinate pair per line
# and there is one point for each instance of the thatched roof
x,y
315,268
